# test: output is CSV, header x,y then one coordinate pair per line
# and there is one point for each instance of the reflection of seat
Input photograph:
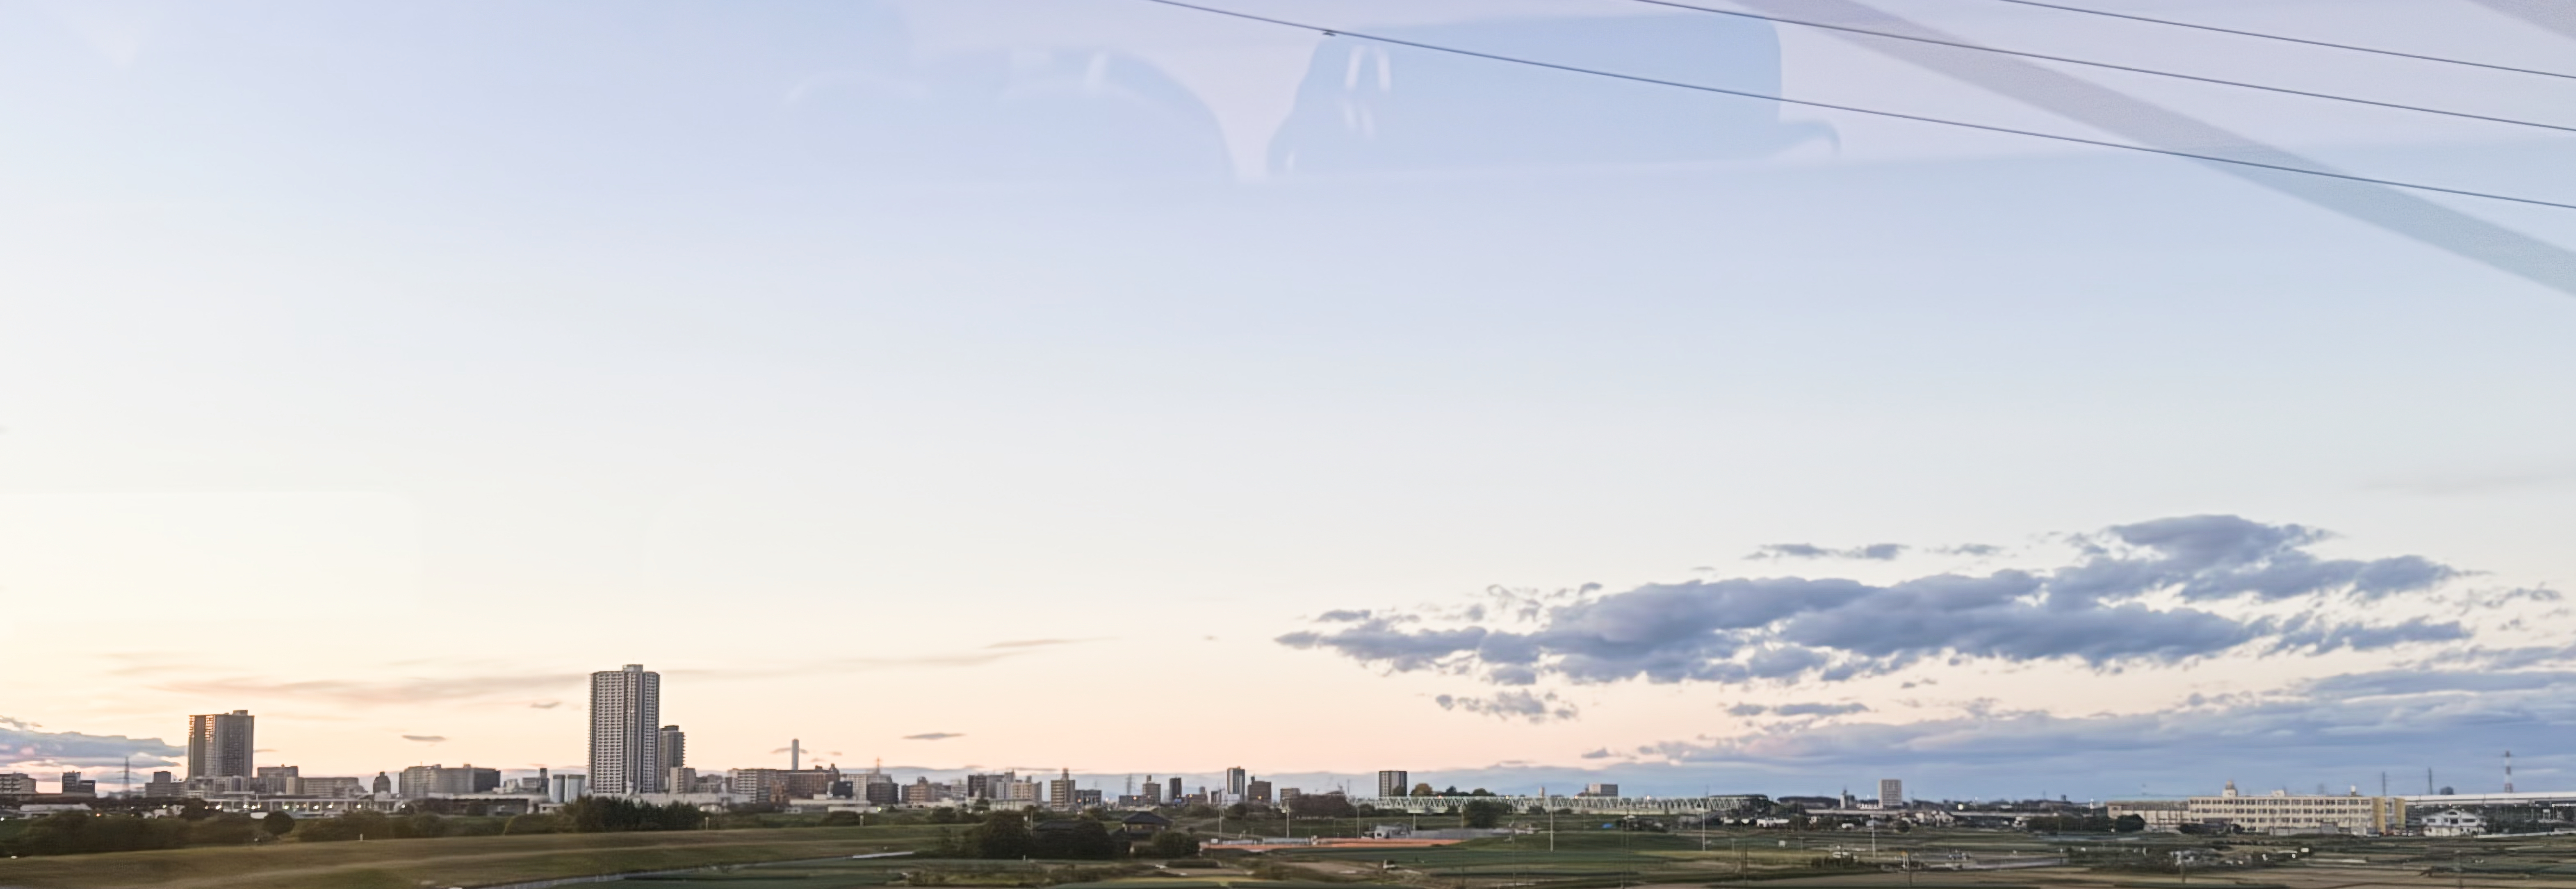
x,y
1368,106
1054,115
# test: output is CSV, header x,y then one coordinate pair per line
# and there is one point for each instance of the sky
x,y
1108,386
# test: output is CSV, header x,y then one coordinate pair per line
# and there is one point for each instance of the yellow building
x,y
2281,812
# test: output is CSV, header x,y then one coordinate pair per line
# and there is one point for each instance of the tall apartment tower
x,y
1175,795
1891,793
625,736
1394,782
219,745
1060,792
1234,778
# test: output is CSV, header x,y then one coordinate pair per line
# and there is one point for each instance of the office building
x,y
275,780
1153,795
567,788
329,788
162,786
1234,778
1174,793
1394,783
420,782
73,785
219,745
625,736
382,785
1891,793
672,750
1256,791
1288,797
17,784
1600,790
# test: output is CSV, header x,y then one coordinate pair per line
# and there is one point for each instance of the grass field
x,y
815,858
456,861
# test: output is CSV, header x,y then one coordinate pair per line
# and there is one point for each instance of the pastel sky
x,y
1101,385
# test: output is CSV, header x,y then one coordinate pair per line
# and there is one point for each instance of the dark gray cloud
x,y
27,745
2092,612
1969,549
1601,753
934,736
1531,706
1879,552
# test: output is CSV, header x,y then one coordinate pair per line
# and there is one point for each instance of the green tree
x,y
1424,789
277,823
944,815
1005,835
2130,823
1172,844
843,819
1322,805
1484,813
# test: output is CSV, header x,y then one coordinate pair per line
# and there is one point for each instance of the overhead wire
x,y
2286,39
2115,67
1635,78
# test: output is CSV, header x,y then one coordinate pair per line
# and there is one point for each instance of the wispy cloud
x,y
1036,643
425,739
544,705
934,736
1523,705
1879,552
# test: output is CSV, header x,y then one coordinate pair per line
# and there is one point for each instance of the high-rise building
x,y
1175,795
1234,778
219,745
625,743
672,751
1061,792
1394,782
1153,791
1257,791
384,785
1891,792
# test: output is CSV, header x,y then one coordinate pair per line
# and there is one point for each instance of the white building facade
x,y
625,731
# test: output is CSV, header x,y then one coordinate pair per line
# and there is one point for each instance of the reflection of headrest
x,y
1368,106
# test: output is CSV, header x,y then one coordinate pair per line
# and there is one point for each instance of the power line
x,y
2300,40
1338,32
2128,68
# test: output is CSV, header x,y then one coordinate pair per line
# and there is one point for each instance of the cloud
x,y
391,691
934,736
1603,753
1536,708
425,739
1969,549
1036,643
1747,710
1343,616
1877,552
24,744
545,705
2136,594
1819,709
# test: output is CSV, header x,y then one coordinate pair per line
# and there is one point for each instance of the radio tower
x,y
2508,771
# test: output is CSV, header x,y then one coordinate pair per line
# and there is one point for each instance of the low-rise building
x,y
19,784
75,785
420,782
2453,823
2161,815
